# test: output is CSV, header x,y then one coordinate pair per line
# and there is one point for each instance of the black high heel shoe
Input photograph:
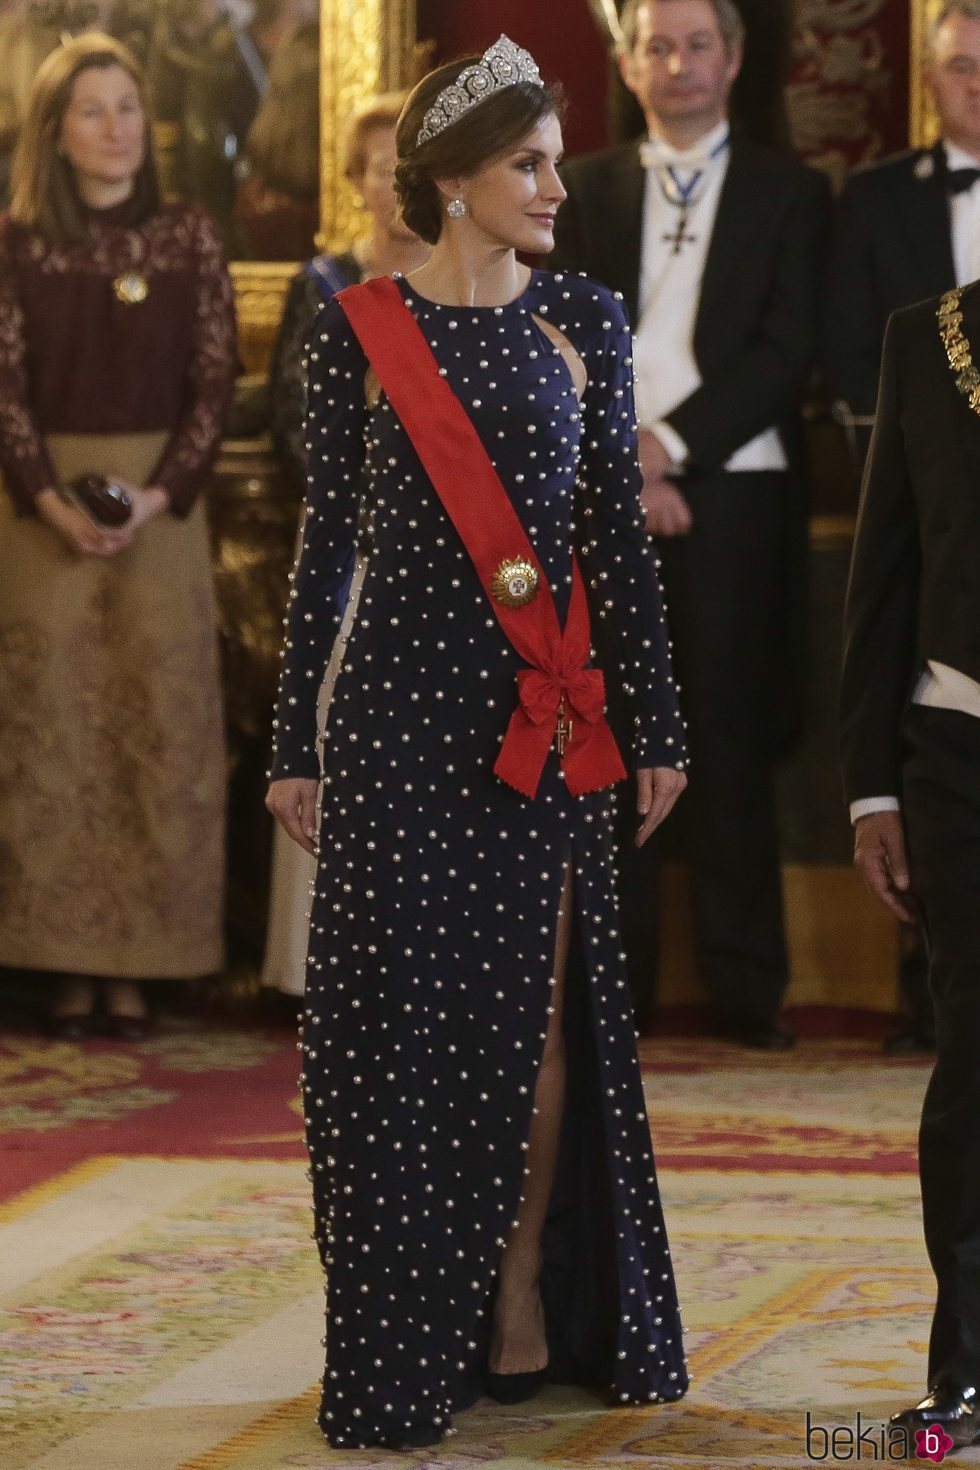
x,y
515,1388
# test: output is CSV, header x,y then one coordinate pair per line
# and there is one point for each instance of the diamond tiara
x,y
502,66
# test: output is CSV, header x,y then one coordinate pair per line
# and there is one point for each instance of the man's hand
x,y
879,855
667,512
293,804
657,789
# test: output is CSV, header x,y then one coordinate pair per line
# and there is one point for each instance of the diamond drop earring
x,y
456,208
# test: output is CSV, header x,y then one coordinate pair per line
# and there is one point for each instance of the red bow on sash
x,y
559,696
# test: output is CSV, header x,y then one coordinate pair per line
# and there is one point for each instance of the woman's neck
x,y
458,275
382,254
102,193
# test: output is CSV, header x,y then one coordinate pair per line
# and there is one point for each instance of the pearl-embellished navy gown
x,y
432,940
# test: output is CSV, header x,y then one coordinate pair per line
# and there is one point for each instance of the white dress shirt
x,y
670,292
939,686
964,216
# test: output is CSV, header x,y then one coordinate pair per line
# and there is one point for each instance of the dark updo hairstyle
x,y
489,128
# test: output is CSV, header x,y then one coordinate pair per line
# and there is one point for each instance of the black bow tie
x,y
958,180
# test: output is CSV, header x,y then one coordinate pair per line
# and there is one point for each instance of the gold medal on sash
x,y
515,583
131,288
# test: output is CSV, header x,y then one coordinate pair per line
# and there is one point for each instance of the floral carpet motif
x,y
161,1305
189,1090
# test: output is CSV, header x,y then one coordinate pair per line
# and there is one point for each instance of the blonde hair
x,y
380,112
44,194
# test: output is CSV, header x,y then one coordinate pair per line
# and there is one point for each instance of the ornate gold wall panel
x,y
260,289
366,47
923,124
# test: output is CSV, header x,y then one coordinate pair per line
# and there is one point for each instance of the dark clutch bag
x,y
106,503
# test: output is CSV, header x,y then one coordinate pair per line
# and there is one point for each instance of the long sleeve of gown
x,y
336,421
617,558
196,439
24,459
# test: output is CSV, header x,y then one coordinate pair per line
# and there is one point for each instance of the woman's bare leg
x,y
75,996
125,998
518,1342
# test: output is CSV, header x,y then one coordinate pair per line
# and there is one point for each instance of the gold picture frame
x,y
923,123
366,47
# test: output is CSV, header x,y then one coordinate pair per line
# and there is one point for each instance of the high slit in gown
x,y
432,938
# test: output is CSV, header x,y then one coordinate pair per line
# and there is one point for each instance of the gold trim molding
x,y
366,47
923,123
260,291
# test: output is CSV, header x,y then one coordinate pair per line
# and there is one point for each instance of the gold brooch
x,y
515,583
131,288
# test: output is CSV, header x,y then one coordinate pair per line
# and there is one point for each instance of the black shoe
x,y
126,1028
76,1026
515,1388
419,1437
950,1407
760,1036
910,1041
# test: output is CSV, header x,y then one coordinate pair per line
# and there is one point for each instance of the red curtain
x,y
849,89
562,38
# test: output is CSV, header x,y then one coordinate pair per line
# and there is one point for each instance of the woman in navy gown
x,y
482,1224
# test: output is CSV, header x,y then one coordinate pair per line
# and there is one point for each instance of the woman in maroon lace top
x,y
117,355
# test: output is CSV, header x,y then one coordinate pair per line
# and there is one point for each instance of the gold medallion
x,y
131,288
515,583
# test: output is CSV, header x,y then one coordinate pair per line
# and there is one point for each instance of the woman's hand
x,y
75,528
293,804
147,503
667,512
657,789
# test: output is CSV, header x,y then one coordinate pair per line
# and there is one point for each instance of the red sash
x,y
558,693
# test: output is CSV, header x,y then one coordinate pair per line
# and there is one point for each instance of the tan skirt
x,y
112,764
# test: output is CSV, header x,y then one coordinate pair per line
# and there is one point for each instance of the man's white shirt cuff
x,y
869,804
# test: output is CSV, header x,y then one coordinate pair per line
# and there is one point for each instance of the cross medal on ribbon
x,y
681,238
684,197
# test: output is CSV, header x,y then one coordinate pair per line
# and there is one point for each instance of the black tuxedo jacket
x,y
914,590
891,246
756,329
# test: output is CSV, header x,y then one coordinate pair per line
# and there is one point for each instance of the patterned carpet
x,y
160,1303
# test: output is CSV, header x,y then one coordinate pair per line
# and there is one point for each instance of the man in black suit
x,y
910,725
715,243
907,228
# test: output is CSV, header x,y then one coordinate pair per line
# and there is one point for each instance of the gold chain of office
x,y
958,348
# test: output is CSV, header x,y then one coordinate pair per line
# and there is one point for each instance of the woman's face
x,y
103,132
513,199
376,185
